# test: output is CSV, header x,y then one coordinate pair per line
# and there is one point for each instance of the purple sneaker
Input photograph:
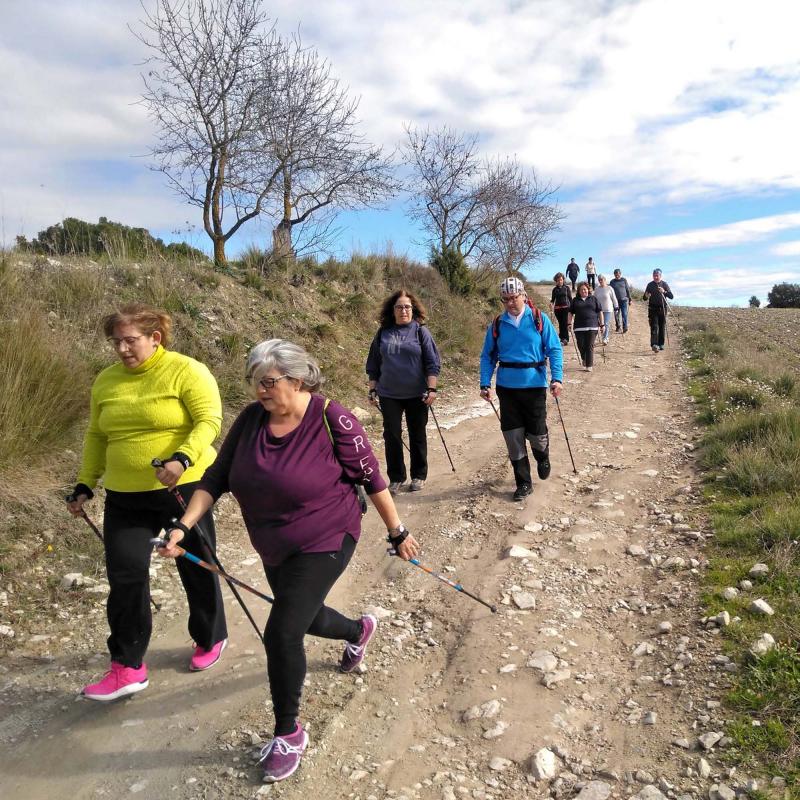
x,y
354,653
281,757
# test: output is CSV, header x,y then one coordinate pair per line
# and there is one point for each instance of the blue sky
x,y
669,126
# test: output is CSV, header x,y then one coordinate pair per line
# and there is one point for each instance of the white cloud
x,y
786,249
748,230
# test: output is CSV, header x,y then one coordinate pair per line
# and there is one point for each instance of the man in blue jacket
x,y
519,343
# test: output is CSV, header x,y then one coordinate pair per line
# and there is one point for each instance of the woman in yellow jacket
x,y
152,403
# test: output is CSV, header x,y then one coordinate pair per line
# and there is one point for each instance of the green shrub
x,y
784,385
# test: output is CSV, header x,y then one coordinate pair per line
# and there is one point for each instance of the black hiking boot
x,y
542,466
522,491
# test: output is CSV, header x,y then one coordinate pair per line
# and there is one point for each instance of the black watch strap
x,y
182,459
177,524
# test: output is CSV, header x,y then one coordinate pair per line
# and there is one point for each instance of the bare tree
x,y
211,63
493,212
310,128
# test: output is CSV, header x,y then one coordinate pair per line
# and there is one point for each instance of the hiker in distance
x,y
151,403
591,273
403,366
560,299
519,343
292,460
573,270
656,293
622,289
585,318
607,298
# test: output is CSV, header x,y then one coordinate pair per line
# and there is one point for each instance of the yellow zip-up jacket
x,y
168,403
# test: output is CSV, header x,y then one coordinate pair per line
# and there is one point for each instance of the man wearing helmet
x,y
519,344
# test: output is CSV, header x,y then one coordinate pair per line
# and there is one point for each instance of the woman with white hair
x,y
292,459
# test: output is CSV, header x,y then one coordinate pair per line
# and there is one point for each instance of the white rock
x,y
602,435
719,791
498,764
595,790
543,660
650,718
708,740
72,580
523,600
703,768
649,473
759,571
745,585
673,562
730,593
516,551
6,632
664,627
723,619
761,606
357,775
506,668
649,793
498,730
762,645
361,414
544,765
487,710
378,612
533,527
643,649
636,550
550,679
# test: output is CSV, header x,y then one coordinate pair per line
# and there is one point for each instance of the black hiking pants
x,y
131,520
562,315
416,419
657,317
300,585
585,340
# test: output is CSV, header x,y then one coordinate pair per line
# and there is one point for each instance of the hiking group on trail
x,y
300,466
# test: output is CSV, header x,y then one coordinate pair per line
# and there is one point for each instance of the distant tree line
x,y
74,236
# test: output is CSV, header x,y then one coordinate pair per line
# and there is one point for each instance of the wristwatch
x,y
397,535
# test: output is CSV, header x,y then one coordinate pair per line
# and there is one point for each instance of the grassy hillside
x,y
747,387
51,347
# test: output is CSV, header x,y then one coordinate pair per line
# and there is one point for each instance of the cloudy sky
x,y
669,126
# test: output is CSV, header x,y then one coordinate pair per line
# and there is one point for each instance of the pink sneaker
x,y
119,681
354,653
204,659
281,757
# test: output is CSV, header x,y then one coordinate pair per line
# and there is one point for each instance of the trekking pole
x,y
403,441
442,438
578,352
157,542
563,427
70,498
457,586
494,409
209,551
666,317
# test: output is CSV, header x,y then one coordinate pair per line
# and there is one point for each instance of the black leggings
x,y
417,419
585,340
590,279
300,585
131,520
562,315
658,326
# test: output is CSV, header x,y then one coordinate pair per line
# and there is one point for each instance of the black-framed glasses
x,y
269,383
128,341
404,308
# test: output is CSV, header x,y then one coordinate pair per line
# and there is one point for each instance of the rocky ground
x,y
596,678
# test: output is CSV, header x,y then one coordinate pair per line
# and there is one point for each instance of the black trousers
x,y
590,279
300,585
562,315
572,281
131,519
523,408
416,419
657,318
585,340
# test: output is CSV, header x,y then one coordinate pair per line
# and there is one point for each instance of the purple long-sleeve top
x,y
296,494
400,359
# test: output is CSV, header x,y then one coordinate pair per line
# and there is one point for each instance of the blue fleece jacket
x,y
521,345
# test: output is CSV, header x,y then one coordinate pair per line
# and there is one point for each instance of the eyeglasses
x,y
128,341
509,298
269,383
404,308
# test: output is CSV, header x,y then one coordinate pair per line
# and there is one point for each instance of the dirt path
x,y
610,669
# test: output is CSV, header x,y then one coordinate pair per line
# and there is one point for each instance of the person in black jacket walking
x,y
560,301
573,270
656,293
622,289
585,317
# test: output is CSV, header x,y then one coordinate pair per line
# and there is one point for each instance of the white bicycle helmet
x,y
512,285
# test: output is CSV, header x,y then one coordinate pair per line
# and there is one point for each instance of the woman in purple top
x,y
403,366
292,460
